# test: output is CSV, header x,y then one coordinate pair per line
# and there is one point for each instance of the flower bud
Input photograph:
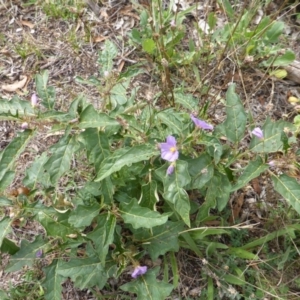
x,y
24,125
34,100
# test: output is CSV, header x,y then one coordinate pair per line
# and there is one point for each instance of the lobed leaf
x,y
149,196
187,101
289,189
15,109
26,255
147,287
97,146
5,228
272,141
253,170
236,117
170,119
53,281
123,157
201,170
139,216
160,239
59,162
35,173
47,94
84,272
90,118
106,57
103,234
83,215
174,193
11,153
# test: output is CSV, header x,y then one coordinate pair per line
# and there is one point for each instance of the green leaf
x,y
174,193
118,94
149,196
3,295
47,94
84,272
275,31
186,100
97,146
236,117
103,234
242,253
135,36
107,189
210,289
8,246
211,20
289,230
147,287
83,215
253,170
160,239
15,109
214,147
53,281
26,255
123,157
228,8
289,189
5,228
12,152
139,216
5,202
272,141
171,119
90,118
201,170
55,224
35,173
149,45
234,279
107,56
285,59
218,191
59,162
6,180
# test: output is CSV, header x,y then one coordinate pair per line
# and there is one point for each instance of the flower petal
x,y
171,141
169,155
170,169
201,124
139,270
258,133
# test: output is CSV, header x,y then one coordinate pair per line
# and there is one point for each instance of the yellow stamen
x,y
173,149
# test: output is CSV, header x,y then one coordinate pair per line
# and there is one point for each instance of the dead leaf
x,y
256,186
17,85
27,23
213,223
100,38
236,209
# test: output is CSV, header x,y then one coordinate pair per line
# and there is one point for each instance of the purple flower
x,y
170,169
258,133
139,270
169,150
39,253
34,100
201,124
